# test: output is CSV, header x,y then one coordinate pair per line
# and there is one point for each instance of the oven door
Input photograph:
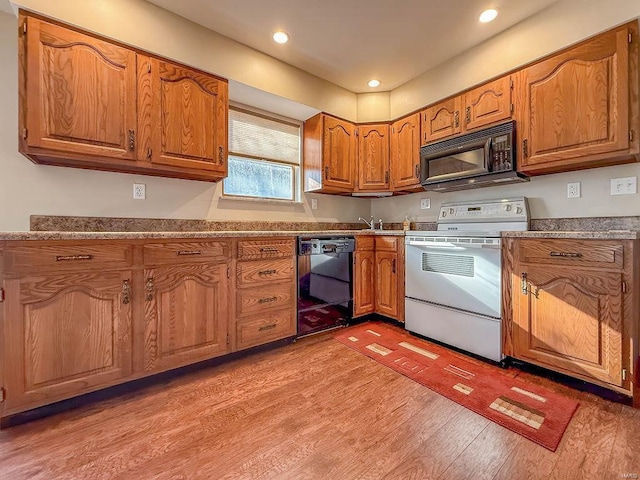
x,y
459,273
468,159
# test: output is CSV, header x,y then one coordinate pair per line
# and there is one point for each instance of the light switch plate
x,y
624,186
314,204
425,203
573,190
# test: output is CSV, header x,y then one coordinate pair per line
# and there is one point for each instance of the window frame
x,y
296,174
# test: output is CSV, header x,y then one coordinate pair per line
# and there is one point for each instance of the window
x,y
264,156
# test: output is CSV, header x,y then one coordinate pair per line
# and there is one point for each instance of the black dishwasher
x,y
325,282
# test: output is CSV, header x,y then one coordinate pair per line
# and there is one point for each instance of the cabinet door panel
x,y
339,154
185,314
405,153
66,335
488,104
575,104
441,120
80,93
189,118
387,283
373,157
364,298
572,321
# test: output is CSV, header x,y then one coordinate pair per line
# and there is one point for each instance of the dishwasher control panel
x,y
320,246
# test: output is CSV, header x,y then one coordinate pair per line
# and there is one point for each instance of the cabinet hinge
x,y
228,339
24,28
631,135
511,83
1,295
624,286
512,108
2,394
25,132
148,67
228,272
630,37
356,132
624,374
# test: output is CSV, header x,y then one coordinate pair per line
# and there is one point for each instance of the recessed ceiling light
x,y
374,83
281,37
488,15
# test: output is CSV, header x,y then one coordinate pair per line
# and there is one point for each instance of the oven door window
x,y
458,163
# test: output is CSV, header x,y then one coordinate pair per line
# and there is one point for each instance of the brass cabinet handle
x,y
565,254
468,114
221,155
326,173
269,249
267,272
417,170
268,300
132,139
523,283
149,287
386,177
126,292
189,252
71,258
267,327
525,148
456,119
393,266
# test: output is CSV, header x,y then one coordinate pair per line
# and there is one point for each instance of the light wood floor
x,y
311,410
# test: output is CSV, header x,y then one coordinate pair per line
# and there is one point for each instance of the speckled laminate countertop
x,y
596,235
56,235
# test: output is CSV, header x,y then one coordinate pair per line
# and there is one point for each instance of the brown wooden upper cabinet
x,y
90,103
373,158
490,103
577,105
330,155
405,153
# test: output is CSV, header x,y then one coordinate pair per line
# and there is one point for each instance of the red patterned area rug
x,y
529,410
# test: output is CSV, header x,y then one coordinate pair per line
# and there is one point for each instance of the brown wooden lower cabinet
x,y
379,276
572,308
80,316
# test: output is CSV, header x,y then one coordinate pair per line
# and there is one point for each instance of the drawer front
x,y
269,297
365,242
181,252
265,271
388,244
42,256
264,249
583,253
265,328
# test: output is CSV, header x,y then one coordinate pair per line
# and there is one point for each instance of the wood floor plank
x,y
314,409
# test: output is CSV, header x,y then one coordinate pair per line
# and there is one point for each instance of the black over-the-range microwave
x,y
477,159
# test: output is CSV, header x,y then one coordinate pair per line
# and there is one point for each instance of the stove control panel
x,y
489,211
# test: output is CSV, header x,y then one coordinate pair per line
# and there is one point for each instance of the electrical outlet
x,y
573,190
139,191
425,203
624,186
314,204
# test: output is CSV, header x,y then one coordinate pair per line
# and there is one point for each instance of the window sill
x,y
274,201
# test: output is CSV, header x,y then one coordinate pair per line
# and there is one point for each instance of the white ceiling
x,y
349,42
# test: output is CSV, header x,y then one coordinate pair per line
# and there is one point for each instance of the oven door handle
x,y
449,245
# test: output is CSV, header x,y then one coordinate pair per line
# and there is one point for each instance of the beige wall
x,y
547,196
552,29
27,189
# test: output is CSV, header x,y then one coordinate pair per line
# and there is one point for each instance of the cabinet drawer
x,y
388,244
265,328
262,249
584,253
41,256
365,242
265,271
181,252
270,297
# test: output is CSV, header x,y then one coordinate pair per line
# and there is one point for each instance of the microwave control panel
x,y
501,153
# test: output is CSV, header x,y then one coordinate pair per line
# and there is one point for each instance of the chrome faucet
x,y
370,223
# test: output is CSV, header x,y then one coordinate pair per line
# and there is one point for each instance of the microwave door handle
x,y
488,155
